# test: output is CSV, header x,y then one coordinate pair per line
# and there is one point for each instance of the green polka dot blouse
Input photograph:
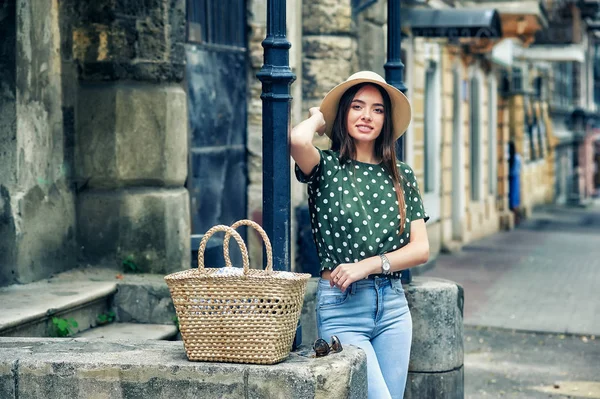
x,y
354,210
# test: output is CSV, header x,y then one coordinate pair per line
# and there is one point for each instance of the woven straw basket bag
x,y
235,315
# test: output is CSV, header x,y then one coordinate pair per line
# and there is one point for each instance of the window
x,y
529,126
216,22
492,129
475,137
432,118
430,127
563,84
541,130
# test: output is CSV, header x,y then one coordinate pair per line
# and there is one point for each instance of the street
x,y
532,307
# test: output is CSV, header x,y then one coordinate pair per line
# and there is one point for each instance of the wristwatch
x,y
385,264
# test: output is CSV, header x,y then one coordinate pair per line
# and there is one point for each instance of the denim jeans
x,y
373,315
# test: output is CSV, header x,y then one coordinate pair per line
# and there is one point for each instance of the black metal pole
x,y
394,68
276,77
394,75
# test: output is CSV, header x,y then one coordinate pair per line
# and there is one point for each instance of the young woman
x,y
368,223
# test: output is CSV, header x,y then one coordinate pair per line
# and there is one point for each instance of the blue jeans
x,y
373,315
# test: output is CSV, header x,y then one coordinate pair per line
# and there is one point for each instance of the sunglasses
x,y
322,348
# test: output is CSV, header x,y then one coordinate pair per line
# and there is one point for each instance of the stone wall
x,y
329,46
330,51
8,139
37,203
94,134
131,133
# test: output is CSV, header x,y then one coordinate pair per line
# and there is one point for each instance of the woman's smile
x,y
365,128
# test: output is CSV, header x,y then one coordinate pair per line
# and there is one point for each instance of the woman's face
x,y
366,115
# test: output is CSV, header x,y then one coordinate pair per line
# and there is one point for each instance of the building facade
x,y
127,130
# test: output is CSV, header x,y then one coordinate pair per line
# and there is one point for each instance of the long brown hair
x,y
384,144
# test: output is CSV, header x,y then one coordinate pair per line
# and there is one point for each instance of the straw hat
x,y
401,111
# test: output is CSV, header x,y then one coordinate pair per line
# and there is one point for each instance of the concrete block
x,y
327,16
159,369
330,47
149,227
436,307
448,385
321,74
129,40
286,384
144,302
130,135
37,232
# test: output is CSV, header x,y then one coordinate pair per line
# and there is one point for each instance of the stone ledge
x,y
24,303
42,368
127,331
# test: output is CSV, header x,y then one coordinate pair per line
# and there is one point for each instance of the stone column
x,y
37,203
436,368
131,134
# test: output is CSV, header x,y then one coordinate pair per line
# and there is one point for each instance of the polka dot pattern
x,y
365,218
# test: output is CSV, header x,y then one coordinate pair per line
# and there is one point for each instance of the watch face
x,y
386,266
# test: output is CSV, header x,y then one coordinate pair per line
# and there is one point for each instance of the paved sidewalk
x,y
543,276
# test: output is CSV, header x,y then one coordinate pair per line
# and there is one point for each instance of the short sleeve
x,y
311,177
414,201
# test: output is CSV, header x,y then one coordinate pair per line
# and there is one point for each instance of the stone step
x,y
28,310
131,331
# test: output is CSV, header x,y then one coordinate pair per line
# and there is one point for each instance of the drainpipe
x,y
394,75
276,77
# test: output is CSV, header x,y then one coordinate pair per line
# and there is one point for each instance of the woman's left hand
x,y
347,273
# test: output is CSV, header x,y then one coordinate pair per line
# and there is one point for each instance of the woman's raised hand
x,y
301,148
316,114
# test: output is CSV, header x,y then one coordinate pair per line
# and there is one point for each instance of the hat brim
x,y
401,109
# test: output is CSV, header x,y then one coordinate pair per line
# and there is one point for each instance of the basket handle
x,y
230,232
262,233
